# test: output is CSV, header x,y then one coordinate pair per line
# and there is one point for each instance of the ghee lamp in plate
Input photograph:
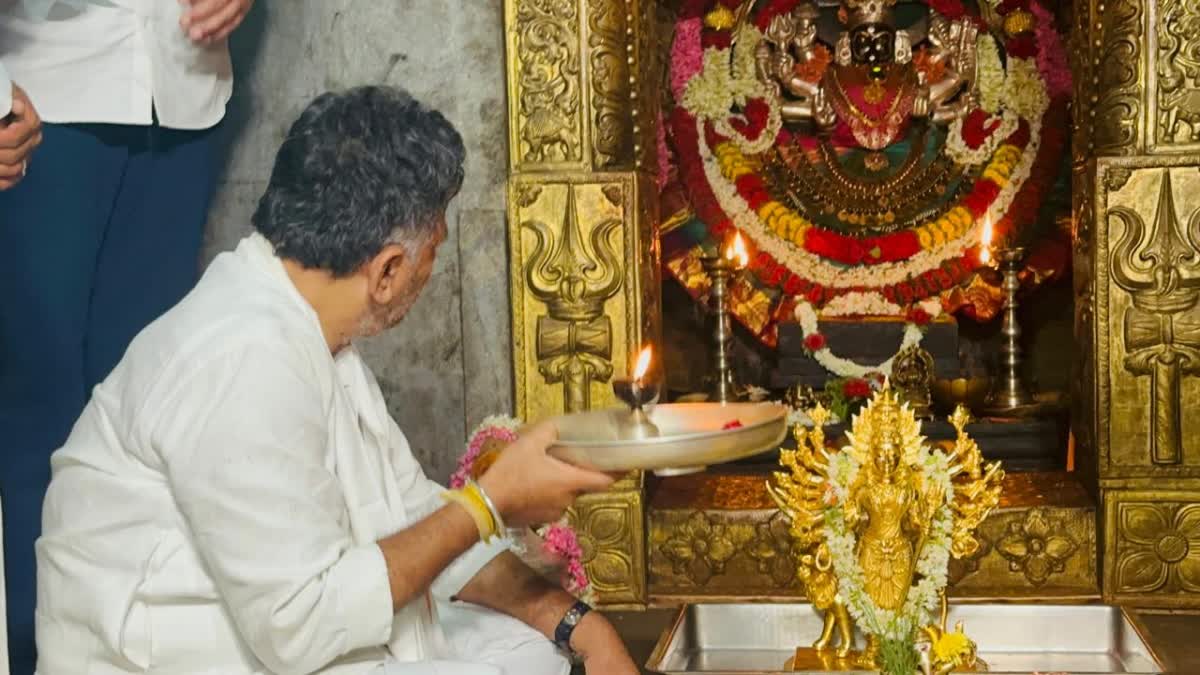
x,y
637,392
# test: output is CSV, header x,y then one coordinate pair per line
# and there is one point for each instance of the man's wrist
x,y
593,635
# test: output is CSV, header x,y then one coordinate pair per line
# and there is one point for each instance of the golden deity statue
x,y
875,523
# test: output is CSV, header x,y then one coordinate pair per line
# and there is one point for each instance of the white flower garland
x,y
727,80
858,303
806,316
990,76
931,564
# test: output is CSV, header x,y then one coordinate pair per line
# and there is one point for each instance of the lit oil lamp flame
x,y
643,363
736,252
985,244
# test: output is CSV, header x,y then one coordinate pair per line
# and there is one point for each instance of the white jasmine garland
x,y
806,316
832,275
990,74
726,81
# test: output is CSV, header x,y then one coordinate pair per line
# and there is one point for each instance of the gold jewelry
x,y
470,497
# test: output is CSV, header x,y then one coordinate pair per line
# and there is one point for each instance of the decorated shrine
x,y
992,204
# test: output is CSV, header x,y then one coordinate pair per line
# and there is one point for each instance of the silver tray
x,y
690,436
1012,638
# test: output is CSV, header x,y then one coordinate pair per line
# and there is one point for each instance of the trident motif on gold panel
x,y
1160,269
574,339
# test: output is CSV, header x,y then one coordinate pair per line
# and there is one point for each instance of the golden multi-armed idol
x,y
875,524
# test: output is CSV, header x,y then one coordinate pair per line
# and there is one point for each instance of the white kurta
x,y
216,507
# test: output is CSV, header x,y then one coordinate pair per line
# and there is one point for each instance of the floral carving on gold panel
x,y
1159,547
771,549
699,547
606,538
547,80
1037,547
1179,71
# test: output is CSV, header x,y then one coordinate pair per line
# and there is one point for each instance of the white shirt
x,y
5,92
115,64
216,507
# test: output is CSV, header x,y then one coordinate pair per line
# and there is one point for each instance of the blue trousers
x,y
101,237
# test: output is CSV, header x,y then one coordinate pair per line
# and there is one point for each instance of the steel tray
x,y
1012,638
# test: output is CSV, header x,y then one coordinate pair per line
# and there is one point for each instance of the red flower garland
x,y
841,248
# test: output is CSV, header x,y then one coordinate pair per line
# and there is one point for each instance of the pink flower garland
x,y
560,544
463,472
687,55
560,541
1051,57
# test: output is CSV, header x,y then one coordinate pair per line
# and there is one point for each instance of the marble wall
x,y
447,365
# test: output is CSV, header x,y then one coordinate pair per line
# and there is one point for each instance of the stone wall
x,y
448,364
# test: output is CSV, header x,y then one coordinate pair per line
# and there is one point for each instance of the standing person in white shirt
x,y
236,498
102,232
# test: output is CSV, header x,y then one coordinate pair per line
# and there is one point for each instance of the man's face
x,y
412,273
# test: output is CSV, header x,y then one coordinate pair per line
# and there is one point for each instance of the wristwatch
x,y
562,634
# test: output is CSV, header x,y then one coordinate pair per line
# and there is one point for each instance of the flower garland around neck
x,y
818,347
555,553
932,560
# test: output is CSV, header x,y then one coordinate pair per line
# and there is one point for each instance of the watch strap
x,y
562,634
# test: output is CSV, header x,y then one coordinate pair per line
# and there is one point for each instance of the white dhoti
x,y
484,642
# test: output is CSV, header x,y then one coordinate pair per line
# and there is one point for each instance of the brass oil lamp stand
x,y
723,388
1010,396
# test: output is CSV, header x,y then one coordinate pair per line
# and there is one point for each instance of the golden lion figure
x,y
889,506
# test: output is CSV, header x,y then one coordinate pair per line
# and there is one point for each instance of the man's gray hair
x,y
358,170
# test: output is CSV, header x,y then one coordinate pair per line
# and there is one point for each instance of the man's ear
x,y
386,273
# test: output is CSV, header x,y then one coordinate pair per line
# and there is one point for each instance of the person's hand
x,y
530,487
209,21
20,133
602,650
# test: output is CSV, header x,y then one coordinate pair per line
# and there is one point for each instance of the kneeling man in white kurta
x,y
236,498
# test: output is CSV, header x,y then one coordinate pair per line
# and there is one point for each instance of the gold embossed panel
x,y
719,536
1152,548
584,279
1148,278
1173,92
612,537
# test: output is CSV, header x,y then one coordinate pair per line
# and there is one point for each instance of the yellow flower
x,y
924,236
721,18
961,217
950,646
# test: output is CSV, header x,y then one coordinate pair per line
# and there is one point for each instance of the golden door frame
x,y
583,81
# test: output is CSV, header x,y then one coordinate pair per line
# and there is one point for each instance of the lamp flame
x,y
985,243
737,253
643,363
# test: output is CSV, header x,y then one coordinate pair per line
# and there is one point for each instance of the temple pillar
x,y
1137,255
583,78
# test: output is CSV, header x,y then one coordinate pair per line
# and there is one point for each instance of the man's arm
x,y
417,555
508,585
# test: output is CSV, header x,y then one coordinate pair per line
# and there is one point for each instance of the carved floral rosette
x,y
729,143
